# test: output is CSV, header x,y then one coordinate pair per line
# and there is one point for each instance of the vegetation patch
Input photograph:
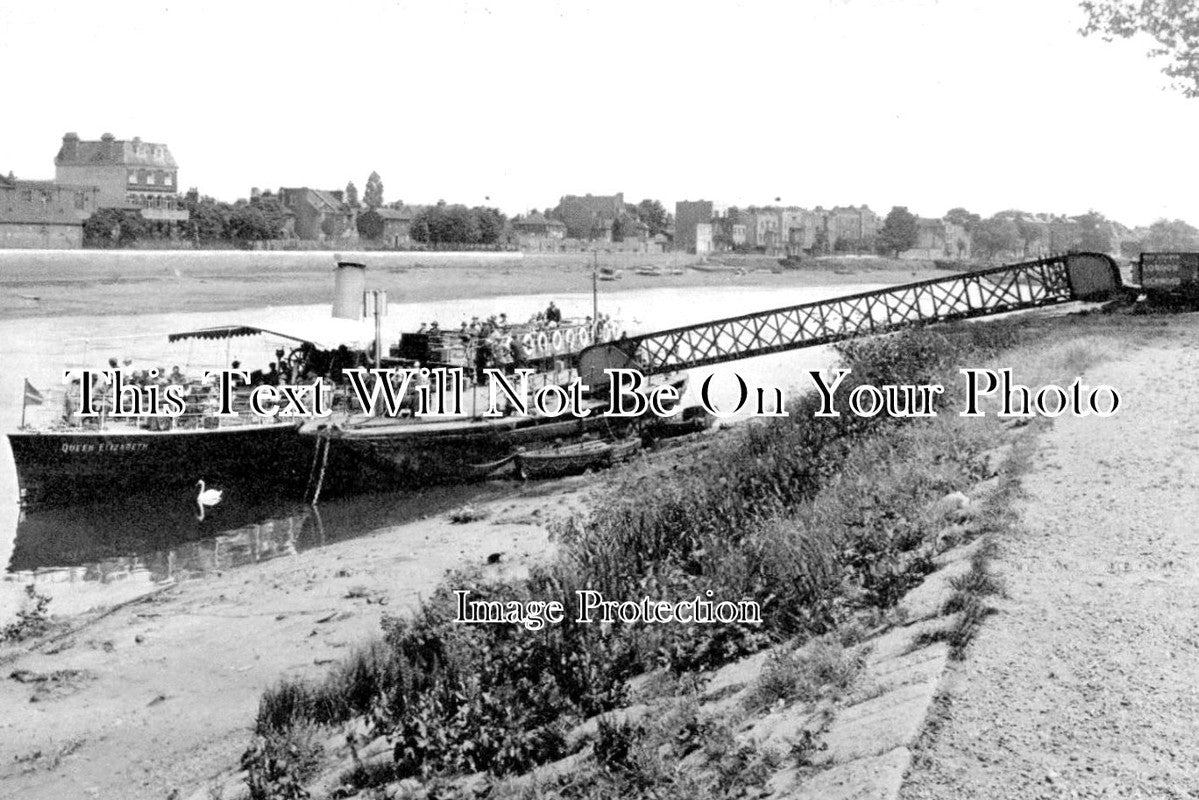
x,y
31,621
818,520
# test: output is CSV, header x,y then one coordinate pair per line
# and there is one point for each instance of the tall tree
x,y
653,214
370,224
900,231
960,216
995,236
373,196
1173,24
352,195
1166,235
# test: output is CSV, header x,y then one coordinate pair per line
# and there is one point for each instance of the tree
x,y
1095,233
995,236
962,217
370,224
113,227
1166,236
618,227
653,214
491,224
206,218
1172,23
373,196
1030,232
900,231
352,195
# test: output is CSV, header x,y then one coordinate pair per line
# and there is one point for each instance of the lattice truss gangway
x,y
1032,284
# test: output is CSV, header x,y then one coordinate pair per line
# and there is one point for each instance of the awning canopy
x,y
325,335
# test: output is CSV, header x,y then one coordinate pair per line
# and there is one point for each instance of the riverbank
x,y
161,692
1083,682
104,282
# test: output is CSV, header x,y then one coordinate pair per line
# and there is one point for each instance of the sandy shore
x,y
161,693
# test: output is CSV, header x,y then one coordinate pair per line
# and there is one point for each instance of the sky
x,y
929,105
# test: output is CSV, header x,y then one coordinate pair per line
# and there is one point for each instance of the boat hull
x,y
386,457
57,468
556,462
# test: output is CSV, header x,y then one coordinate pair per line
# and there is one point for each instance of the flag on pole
x,y
32,396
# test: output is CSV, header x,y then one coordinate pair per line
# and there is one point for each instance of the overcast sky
x,y
988,105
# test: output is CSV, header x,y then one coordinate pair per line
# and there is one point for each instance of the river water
x,y
86,557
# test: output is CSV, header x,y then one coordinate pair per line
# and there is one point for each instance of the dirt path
x,y
161,694
1086,684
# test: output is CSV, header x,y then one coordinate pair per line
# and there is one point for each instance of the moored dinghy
x,y
573,459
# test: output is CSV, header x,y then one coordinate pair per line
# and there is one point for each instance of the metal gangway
x,y
1031,284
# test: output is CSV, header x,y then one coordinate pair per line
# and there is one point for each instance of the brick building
x,y
132,174
319,214
44,214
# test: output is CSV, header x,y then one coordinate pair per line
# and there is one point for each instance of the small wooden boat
x,y
692,420
609,274
573,459
649,271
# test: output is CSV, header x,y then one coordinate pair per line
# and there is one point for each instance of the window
x,y
132,176
150,178
26,195
80,200
167,180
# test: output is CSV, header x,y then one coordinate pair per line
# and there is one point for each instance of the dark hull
x,y
387,457
58,468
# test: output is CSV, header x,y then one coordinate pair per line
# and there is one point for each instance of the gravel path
x,y
1087,682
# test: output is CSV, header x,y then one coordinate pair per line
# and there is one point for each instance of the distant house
x,y
319,214
397,224
538,226
129,174
44,214
937,239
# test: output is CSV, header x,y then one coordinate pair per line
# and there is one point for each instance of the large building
x,y
129,174
44,214
688,216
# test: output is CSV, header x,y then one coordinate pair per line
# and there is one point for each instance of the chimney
x,y
349,284
70,146
108,149
254,194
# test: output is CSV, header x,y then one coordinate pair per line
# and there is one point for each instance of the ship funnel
x,y
349,283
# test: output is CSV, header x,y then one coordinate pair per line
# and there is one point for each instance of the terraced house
x,y
128,174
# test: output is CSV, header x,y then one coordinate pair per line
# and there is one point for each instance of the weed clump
x,y
32,619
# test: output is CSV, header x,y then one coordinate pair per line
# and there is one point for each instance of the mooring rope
x,y
316,495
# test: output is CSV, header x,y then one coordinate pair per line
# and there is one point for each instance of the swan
x,y
206,497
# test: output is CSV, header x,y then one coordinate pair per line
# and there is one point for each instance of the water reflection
x,y
144,543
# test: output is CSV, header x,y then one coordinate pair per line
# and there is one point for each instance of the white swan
x,y
206,497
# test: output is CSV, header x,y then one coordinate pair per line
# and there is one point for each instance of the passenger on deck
x,y
552,314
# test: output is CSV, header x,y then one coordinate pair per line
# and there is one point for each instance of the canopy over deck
x,y
324,335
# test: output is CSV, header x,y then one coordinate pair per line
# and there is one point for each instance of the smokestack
x,y
349,284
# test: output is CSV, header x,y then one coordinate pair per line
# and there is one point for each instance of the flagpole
x,y
24,400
